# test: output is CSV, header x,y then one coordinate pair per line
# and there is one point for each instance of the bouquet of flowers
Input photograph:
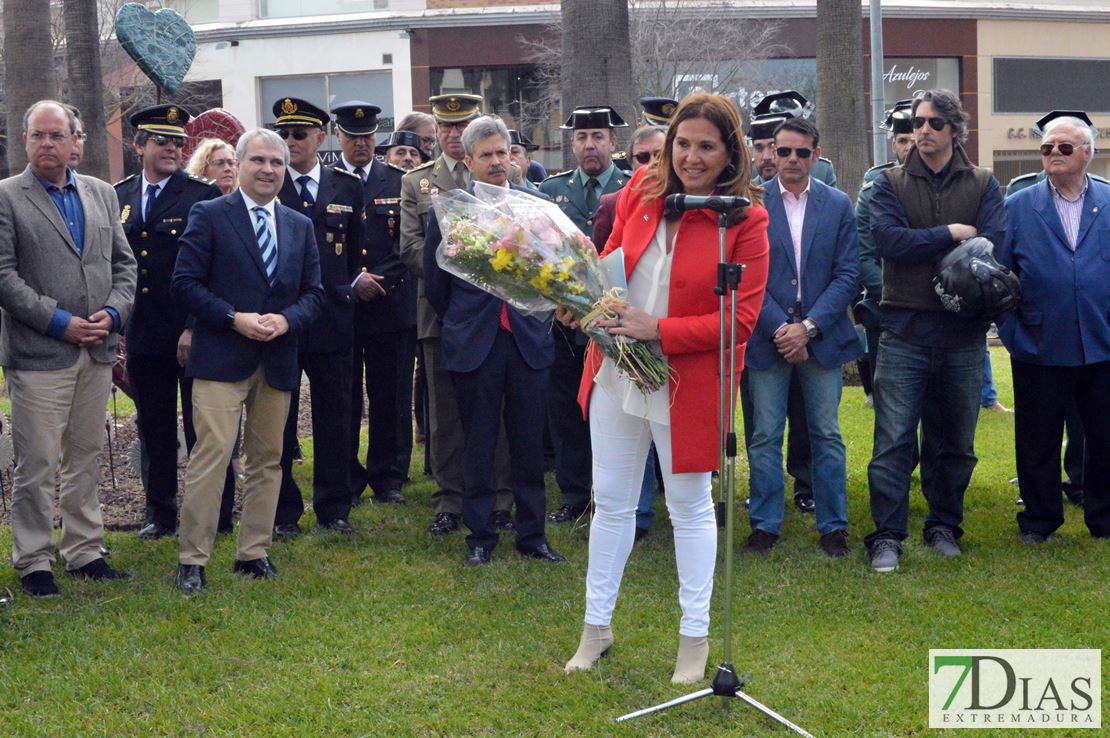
x,y
526,251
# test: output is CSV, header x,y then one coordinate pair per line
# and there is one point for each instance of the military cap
x,y
292,111
1038,128
168,120
899,119
516,138
455,108
594,116
402,138
356,118
763,126
789,103
657,111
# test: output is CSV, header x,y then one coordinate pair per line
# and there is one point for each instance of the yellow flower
x,y
568,263
502,260
540,281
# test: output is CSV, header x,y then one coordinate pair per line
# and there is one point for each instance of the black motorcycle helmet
x,y
969,282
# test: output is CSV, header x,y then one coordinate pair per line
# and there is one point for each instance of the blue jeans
x,y
988,393
821,391
645,508
907,376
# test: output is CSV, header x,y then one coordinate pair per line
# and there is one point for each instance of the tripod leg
x,y
771,713
673,703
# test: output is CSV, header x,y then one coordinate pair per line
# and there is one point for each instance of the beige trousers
x,y
57,413
216,417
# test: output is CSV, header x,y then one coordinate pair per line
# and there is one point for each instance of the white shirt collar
x,y
160,183
269,207
351,167
313,173
784,191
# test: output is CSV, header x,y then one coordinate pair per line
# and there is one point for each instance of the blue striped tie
x,y
265,242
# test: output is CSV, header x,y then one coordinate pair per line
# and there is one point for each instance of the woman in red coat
x,y
670,261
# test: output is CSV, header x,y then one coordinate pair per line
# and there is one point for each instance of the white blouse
x,y
648,290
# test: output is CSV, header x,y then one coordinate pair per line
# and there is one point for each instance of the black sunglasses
x,y
160,140
298,135
1065,149
643,157
937,124
784,152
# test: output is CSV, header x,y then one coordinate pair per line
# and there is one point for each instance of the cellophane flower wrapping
x,y
527,252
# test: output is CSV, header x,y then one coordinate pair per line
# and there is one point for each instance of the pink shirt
x,y
1070,211
795,207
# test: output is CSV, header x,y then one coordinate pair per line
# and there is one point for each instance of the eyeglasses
x,y
81,136
221,163
937,124
784,152
160,140
1064,148
427,141
55,138
644,157
298,135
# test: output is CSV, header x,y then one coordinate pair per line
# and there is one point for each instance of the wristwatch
x,y
811,328
230,319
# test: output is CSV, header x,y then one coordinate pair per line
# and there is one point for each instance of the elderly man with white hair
x,y
1059,337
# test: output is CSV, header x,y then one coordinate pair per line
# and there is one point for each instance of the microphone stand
x,y
726,684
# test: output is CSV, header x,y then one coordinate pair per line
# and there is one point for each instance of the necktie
x,y
460,175
265,242
151,196
361,174
592,200
306,193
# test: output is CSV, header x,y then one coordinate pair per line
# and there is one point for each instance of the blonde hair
x,y
198,162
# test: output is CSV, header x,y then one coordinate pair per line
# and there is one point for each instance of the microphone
x,y
716,203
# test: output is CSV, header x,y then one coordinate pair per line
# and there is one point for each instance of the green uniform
x,y
568,191
870,266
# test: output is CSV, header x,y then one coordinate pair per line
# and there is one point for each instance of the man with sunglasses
x,y
919,212
803,335
1059,338
332,199
384,336
767,114
154,210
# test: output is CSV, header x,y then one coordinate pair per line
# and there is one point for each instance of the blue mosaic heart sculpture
x,y
161,43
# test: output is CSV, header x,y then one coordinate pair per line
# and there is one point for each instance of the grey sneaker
x,y
884,554
943,541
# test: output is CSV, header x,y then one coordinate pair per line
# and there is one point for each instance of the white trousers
x,y
620,447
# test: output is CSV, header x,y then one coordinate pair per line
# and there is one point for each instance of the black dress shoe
x,y
804,504
154,531
40,584
357,501
287,531
478,556
98,570
444,524
189,578
544,552
339,525
257,568
567,514
503,520
390,497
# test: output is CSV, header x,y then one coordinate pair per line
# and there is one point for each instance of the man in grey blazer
x,y
67,282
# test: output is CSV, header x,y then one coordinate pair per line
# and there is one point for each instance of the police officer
x,y
578,193
384,340
332,199
403,150
520,150
154,210
766,116
657,111
452,114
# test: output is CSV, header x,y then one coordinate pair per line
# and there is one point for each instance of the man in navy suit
x,y
499,361
1059,337
804,331
248,270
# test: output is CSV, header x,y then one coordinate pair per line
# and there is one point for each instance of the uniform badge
x,y
125,213
330,237
359,113
425,186
288,107
335,208
171,115
339,248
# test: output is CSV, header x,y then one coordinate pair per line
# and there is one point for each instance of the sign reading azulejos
x,y
1015,688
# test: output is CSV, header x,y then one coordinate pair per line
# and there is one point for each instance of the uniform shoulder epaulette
x,y
349,173
125,179
200,180
1097,178
1023,177
397,168
560,174
825,159
425,165
880,167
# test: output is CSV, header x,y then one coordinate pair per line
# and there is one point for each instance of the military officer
x,y
402,150
578,192
384,341
332,199
154,210
657,111
766,116
520,151
445,440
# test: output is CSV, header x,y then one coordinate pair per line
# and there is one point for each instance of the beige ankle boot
x,y
596,642
689,666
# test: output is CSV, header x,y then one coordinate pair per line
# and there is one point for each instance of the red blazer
x,y
691,332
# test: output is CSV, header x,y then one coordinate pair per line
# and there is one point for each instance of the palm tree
x,y
86,87
28,68
840,95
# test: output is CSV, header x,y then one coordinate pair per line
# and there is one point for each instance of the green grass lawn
x,y
386,634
